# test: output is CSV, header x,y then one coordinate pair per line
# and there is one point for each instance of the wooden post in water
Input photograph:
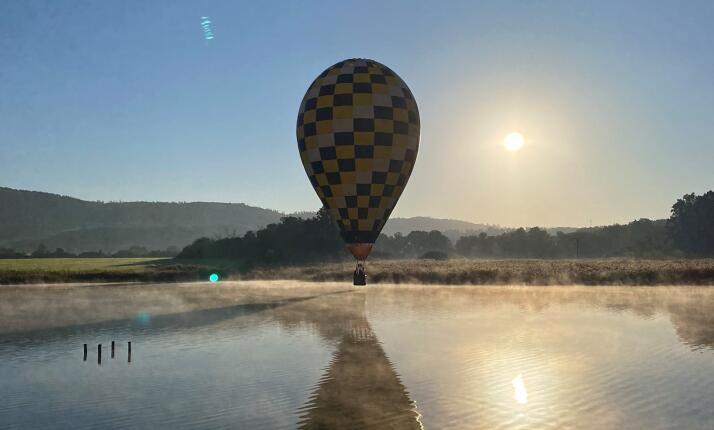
x,y
99,354
112,349
85,353
129,360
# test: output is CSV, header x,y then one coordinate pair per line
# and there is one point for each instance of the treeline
x,y
132,252
689,232
291,241
639,239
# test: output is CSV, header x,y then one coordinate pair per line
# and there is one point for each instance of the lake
x,y
300,355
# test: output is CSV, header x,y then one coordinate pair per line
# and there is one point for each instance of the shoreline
x,y
617,272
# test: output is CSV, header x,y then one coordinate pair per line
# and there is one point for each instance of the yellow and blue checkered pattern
x,y
358,136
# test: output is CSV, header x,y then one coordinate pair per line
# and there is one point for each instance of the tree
x,y
292,240
413,245
691,225
41,251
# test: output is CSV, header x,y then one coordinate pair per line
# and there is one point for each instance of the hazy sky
x,y
127,100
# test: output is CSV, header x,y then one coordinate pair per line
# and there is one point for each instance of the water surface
x,y
297,355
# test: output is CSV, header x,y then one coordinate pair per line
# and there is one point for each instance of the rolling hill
x,y
31,218
28,218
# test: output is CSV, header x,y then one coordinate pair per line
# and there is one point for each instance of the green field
x,y
54,270
77,265
451,272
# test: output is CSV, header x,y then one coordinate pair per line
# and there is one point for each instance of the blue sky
x,y
128,101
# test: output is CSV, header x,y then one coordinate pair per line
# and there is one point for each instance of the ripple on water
x,y
583,366
382,357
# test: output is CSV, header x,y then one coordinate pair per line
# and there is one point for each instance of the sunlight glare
x,y
519,388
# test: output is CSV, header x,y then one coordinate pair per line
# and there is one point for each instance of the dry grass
x,y
502,272
450,272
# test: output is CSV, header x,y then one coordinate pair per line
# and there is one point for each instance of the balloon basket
x,y
360,277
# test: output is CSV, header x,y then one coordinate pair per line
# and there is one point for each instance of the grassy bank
x,y
56,270
504,272
453,272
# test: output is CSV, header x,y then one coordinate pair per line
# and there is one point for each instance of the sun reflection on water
x,y
519,390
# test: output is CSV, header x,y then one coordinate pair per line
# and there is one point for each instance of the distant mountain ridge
x,y
31,218
452,228
28,218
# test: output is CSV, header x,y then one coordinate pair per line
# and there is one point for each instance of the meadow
x,y
449,272
56,270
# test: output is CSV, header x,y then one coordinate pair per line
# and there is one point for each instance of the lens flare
x,y
143,318
206,25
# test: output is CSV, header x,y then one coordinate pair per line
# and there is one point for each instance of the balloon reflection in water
x,y
360,388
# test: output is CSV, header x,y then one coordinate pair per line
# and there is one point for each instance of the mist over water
x,y
299,355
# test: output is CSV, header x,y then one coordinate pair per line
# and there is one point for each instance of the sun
x,y
513,141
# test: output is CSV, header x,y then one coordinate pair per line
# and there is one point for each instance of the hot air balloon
x,y
358,136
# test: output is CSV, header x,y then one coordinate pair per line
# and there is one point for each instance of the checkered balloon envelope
x,y
358,136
